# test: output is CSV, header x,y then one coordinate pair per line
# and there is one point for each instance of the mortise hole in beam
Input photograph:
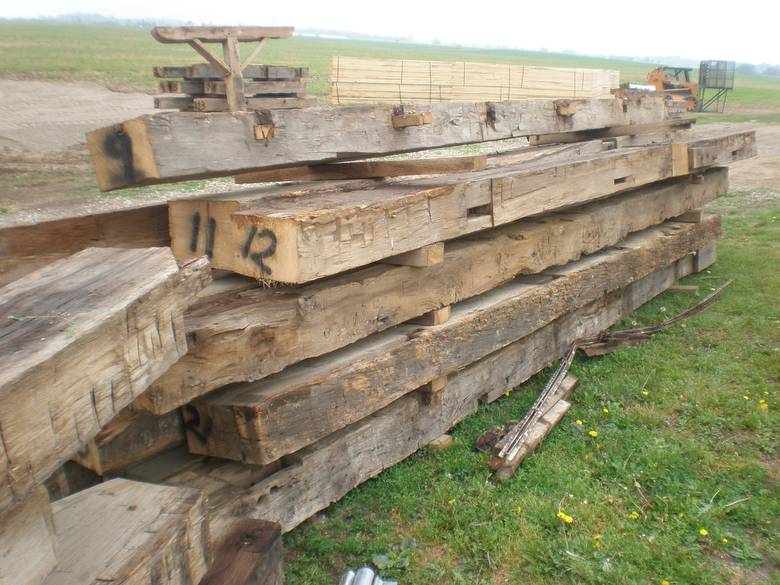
x,y
621,180
486,209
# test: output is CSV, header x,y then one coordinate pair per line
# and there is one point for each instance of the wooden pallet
x,y
271,235
250,334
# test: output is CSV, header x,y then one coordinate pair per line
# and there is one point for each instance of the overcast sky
x,y
748,30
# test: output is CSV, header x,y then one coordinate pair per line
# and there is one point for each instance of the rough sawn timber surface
x,y
81,339
252,334
27,541
323,473
173,146
131,533
263,421
298,235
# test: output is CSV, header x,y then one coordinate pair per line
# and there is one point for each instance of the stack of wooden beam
x,y
201,88
355,319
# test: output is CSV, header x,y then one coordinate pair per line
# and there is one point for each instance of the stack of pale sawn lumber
x,y
352,319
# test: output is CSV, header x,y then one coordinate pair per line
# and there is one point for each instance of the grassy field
x,y
685,445
123,58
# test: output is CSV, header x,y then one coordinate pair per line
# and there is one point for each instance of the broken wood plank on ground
x,y
263,421
278,234
324,472
168,147
83,337
123,531
368,169
254,333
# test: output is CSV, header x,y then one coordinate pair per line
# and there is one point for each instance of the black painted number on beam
x,y
211,234
267,252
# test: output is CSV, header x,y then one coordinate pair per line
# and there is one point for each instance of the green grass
x,y
692,454
124,57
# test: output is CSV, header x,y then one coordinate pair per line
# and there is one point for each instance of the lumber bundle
x,y
314,477
175,146
264,421
329,229
397,81
83,338
257,332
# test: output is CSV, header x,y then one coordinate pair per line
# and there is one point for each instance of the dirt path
x,y
42,116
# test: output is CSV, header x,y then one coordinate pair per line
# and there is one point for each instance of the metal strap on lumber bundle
x,y
324,472
281,326
124,531
168,147
83,338
269,234
263,421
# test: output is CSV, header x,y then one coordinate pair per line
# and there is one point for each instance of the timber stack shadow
x,y
183,383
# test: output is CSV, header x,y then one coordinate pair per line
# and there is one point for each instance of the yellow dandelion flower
x,y
681,514
593,434
507,393
645,393
634,515
565,517
596,537
764,406
746,397
579,422
519,509
664,582
703,532
451,502
724,540
606,410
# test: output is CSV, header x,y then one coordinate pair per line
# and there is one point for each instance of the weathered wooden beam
x,y
263,421
254,333
270,235
204,71
130,437
28,247
217,88
123,531
249,554
82,339
368,169
323,473
666,126
27,541
217,34
428,255
167,147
